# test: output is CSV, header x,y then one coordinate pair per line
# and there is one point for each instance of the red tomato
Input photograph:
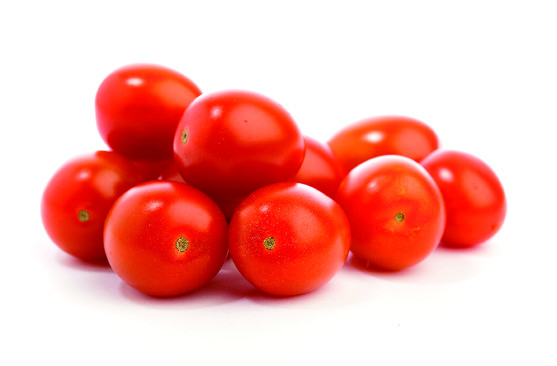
x,y
320,168
171,173
165,238
152,169
385,135
230,143
227,206
395,210
288,238
474,197
78,197
138,108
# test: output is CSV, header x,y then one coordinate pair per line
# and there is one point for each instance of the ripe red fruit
x,y
395,210
138,108
320,168
230,143
165,238
78,197
474,197
288,238
384,135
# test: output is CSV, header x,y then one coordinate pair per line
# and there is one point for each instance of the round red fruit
x,y
230,143
383,135
474,197
165,238
320,168
288,239
78,197
395,210
138,108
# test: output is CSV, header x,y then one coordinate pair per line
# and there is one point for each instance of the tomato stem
x,y
399,217
83,215
269,243
182,244
184,136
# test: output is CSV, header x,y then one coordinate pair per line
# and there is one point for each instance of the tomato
x,y
474,197
229,143
165,238
152,169
395,210
227,206
138,108
383,135
171,173
320,168
78,197
288,238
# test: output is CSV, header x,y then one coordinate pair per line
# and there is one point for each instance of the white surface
x,y
481,73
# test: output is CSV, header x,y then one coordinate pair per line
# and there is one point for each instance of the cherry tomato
x,y
320,168
138,108
227,206
383,135
171,173
78,197
229,143
474,197
165,238
395,210
152,169
288,238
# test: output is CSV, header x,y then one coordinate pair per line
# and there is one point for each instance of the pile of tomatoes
x,y
193,178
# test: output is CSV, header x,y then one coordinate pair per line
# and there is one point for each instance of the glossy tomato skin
x,y
231,142
165,238
171,173
227,206
474,197
78,197
152,169
138,107
288,239
395,210
383,135
320,168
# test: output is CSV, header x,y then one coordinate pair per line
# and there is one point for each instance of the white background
x,y
483,74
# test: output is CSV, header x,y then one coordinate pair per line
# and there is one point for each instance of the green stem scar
x,y
399,217
269,243
83,215
182,244
184,136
